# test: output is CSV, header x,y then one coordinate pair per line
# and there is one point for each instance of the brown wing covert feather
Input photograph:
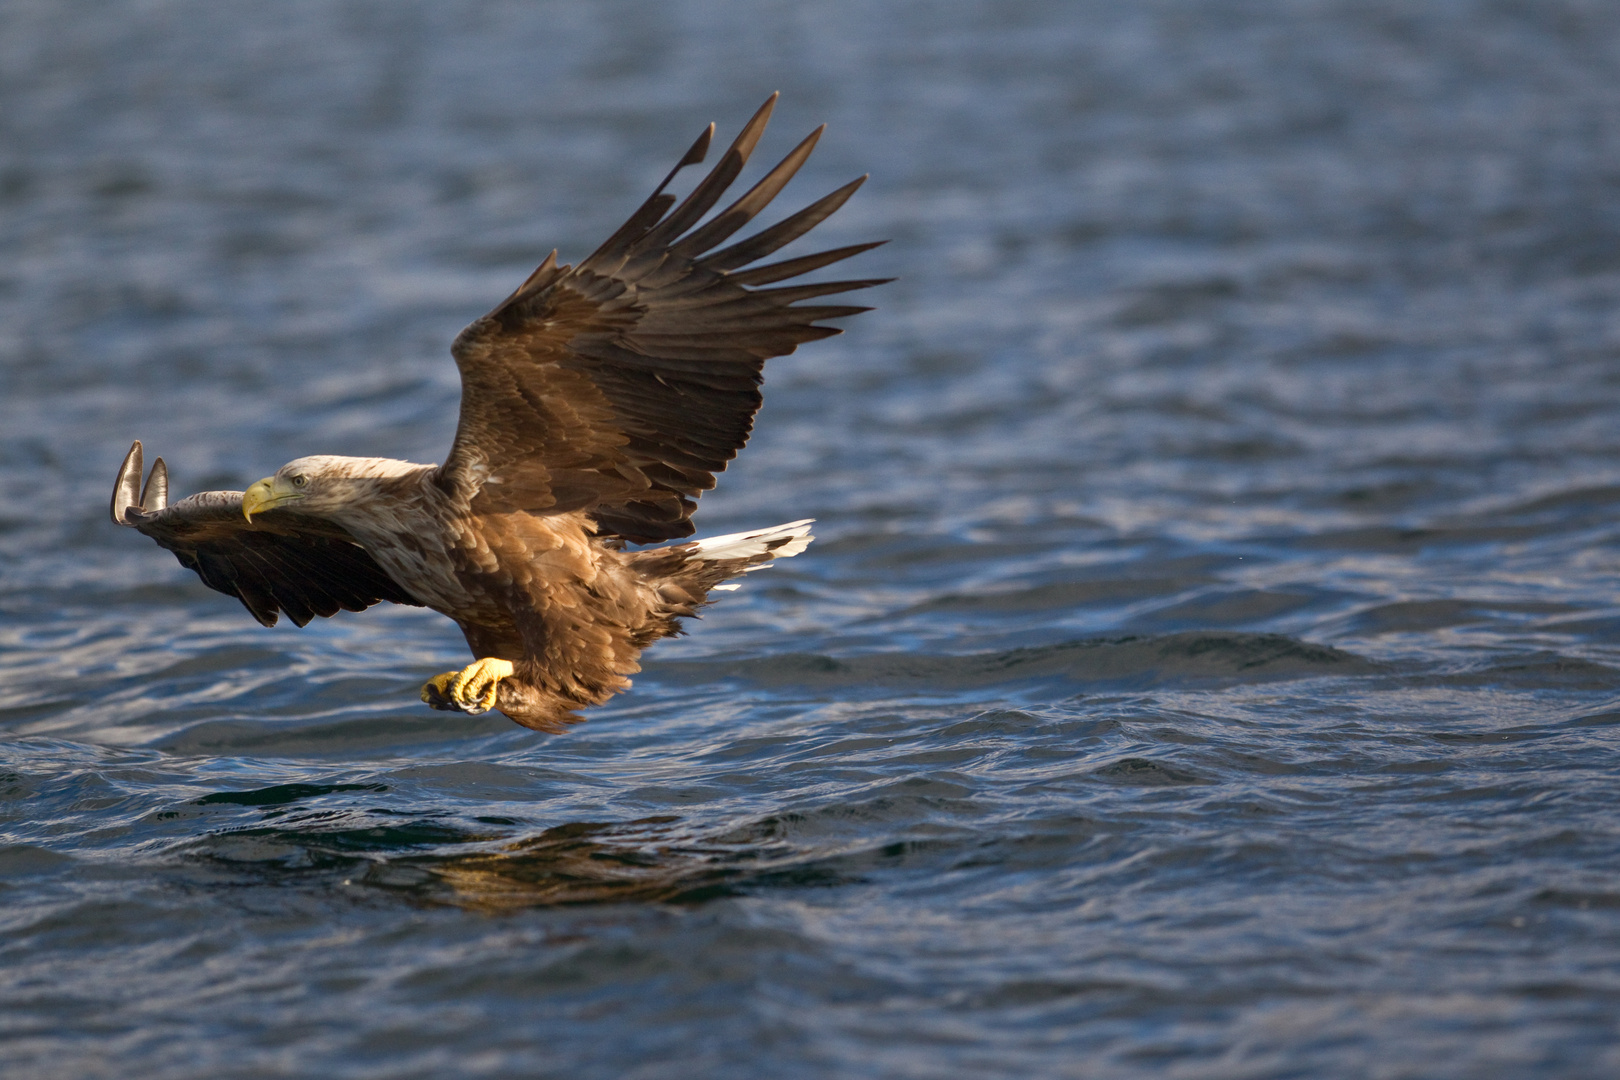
x,y
622,385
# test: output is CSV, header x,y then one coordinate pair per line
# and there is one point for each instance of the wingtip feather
x,y
127,488
155,495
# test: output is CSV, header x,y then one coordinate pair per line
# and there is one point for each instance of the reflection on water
x,y
579,863
1207,666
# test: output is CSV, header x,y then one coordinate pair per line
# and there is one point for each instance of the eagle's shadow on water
x,y
597,863
646,860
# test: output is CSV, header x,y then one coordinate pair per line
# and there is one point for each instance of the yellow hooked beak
x,y
266,493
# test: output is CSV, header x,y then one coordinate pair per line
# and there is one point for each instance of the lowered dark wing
x,y
281,561
621,386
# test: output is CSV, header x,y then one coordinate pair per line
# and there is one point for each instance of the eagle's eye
x,y
300,481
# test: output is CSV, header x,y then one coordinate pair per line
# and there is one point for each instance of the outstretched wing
x,y
281,561
621,386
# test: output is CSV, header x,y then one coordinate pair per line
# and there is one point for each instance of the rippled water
x,y
1208,666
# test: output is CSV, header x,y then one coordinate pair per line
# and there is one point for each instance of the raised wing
x,y
281,561
621,386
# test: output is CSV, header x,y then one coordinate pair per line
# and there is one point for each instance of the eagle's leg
x,y
471,690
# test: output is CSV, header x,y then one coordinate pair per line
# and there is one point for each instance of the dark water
x,y
1208,666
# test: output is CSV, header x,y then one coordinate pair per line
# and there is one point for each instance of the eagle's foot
x,y
472,690
436,691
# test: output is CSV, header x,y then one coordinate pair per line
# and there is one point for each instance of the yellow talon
x,y
436,691
472,689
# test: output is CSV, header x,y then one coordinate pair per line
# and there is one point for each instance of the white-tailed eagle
x,y
597,403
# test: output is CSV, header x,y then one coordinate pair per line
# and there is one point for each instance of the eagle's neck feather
x,y
384,497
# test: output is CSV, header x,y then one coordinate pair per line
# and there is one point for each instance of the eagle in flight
x,y
597,403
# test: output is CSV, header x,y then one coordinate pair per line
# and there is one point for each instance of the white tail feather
x,y
779,543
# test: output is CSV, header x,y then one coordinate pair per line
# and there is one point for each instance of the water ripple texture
x,y
1208,666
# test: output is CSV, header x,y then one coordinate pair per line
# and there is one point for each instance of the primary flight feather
x,y
597,403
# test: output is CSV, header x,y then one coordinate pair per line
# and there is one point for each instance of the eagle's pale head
x,y
324,485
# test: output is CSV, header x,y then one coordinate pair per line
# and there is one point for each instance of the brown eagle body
x,y
598,402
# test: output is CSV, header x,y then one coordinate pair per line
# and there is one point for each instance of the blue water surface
x,y
1207,666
